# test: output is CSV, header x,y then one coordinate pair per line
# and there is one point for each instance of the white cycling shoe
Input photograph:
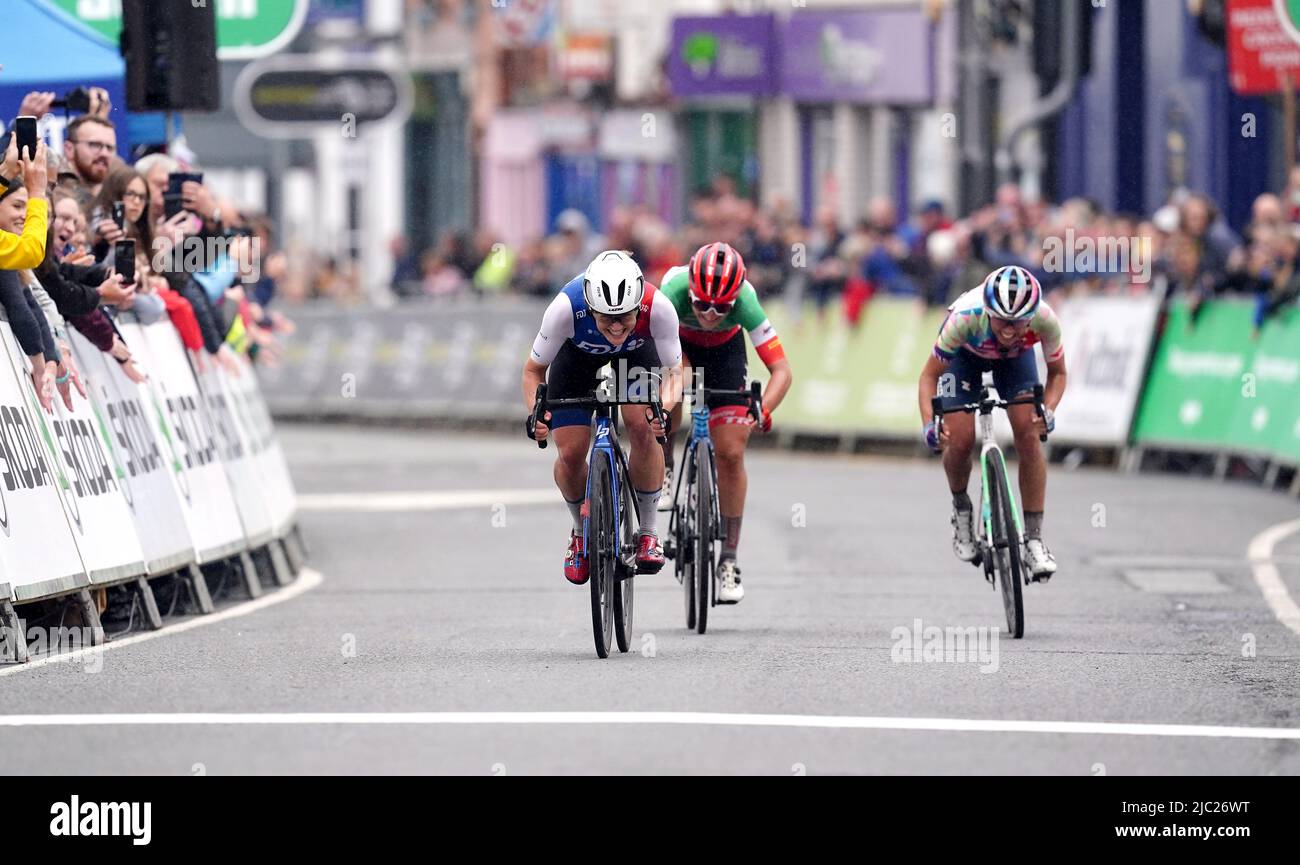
x,y
1039,559
666,494
730,591
963,535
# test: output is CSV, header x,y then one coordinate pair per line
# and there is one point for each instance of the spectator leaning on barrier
x,y
22,246
26,249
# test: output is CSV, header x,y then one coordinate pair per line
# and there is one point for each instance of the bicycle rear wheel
x,y
623,577
705,531
1006,547
602,554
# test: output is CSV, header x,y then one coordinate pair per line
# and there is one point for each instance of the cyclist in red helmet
x,y
717,306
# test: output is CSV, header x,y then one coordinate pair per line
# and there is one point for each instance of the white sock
x,y
575,508
647,510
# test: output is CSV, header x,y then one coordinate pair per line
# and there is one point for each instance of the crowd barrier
x,y
420,360
1206,386
138,480
1218,386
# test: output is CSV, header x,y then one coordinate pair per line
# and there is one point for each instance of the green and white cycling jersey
x,y
746,314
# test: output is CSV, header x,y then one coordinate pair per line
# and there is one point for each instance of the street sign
x,y
246,29
297,96
1261,51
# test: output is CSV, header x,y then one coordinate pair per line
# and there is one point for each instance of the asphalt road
x,y
1156,618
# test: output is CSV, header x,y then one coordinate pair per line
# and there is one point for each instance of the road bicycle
x,y
609,528
695,525
999,530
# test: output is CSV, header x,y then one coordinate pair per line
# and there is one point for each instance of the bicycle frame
x,y
605,445
699,437
989,450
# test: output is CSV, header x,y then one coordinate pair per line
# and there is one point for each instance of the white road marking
x,y
308,579
1121,562
832,722
1267,578
425,501
1176,582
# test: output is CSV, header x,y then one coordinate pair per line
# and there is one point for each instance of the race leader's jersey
x,y
747,313
567,319
967,327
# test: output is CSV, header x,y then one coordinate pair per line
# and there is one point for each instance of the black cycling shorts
x,y
572,375
726,367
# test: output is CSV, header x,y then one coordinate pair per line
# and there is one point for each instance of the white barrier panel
x,y
1107,340
36,546
97,510
250,405
144,459
207,503
239,453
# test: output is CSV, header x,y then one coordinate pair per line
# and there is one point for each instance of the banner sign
x,y
206,500
1107,343
37,552
143,460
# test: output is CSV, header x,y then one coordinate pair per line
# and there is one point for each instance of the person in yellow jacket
x,y
27,250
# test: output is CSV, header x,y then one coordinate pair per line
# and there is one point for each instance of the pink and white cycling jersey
x,y
967,326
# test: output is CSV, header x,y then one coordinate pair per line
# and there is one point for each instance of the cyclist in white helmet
x,y
607,315
994,328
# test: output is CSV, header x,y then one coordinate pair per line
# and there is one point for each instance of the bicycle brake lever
x,y
539,411
1038,407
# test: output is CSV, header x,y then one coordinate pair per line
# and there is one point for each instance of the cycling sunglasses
x,y
703,306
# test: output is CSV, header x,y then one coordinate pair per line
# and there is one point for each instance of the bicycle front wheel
x,y
602,554
705,531
1006,547
623,582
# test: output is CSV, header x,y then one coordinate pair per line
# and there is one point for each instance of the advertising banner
x,y
37,552
142,457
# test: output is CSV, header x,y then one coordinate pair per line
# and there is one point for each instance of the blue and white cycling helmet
x,y
1012,293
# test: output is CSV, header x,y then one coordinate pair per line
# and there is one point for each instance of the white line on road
x,y
308,579
1267,578
424,501
833,722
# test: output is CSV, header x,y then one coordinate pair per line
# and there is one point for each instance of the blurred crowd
x,y
85,236
1184,249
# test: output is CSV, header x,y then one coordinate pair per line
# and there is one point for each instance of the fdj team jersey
x,y
568,319
747,313
967,328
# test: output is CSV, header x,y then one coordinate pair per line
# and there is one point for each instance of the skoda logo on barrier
x,y
123,476
51,450
178,467
4,506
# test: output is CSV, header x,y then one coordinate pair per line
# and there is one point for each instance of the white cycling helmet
x,y
613,283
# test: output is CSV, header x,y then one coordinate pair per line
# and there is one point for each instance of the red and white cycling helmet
x,y
717,273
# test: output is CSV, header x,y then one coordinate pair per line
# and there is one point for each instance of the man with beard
x,y
90,146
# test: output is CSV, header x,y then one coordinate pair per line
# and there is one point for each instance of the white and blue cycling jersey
x,y
567,319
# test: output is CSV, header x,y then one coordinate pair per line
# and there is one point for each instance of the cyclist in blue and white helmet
x,y
993,328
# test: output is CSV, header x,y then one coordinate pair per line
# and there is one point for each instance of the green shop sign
x,y
246,29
